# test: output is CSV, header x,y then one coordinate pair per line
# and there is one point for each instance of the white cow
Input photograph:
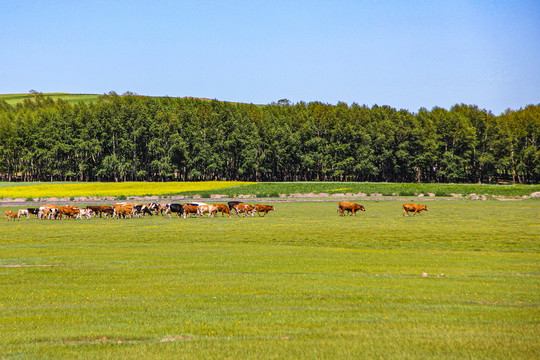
x,y
84,212
206,209
23,212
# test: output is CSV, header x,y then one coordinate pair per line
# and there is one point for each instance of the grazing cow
x,y
95,209
11,215
224,209
190,209
416,208
157,208
44,213
163,207
84,212
263,209
50,211
350,207
232,205
69,211
124,212
22,212
33,211
139,210
107,210
211,210
153,207
174,208
247,209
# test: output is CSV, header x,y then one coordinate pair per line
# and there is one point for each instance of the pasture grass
x,y
386,189
235,188
14,99
301,282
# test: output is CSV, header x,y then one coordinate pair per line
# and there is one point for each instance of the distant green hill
x,y
13,99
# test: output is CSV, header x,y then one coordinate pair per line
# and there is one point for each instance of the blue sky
x,y
406,54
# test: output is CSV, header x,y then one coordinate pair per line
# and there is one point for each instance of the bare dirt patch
x,y
176,338
102,340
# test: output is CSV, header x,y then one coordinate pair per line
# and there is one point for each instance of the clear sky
x,y
406,54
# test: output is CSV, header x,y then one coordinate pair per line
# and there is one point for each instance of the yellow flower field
x,y
113,189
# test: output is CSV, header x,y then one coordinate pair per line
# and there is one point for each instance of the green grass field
x,y
299,283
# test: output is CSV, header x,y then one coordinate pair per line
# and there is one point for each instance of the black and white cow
x,y
174,208
139,210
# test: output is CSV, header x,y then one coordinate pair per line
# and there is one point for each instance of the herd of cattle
x,y
131,210
194,209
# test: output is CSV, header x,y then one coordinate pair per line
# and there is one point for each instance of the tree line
x,y
138,138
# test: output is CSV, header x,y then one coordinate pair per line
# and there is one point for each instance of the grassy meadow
x,y
28,190
301,282
14,99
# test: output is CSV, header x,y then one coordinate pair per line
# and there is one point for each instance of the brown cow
x,y
95,209
190,209
52,211
351,207
68,211
211,210
123,210
263,209
11,215
107,210
416,208
224,209
247,209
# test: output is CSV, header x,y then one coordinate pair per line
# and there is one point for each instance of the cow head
x,y
362,208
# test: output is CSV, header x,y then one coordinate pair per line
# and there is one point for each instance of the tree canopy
x,y
130,137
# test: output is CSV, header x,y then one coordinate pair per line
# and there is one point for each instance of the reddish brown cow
x,y
350,207
263,209
123,210
190,209
95,209
224,209
416,208
11,215
107,210
68,211
247,209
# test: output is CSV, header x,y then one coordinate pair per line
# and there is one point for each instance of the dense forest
x,y
131,137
